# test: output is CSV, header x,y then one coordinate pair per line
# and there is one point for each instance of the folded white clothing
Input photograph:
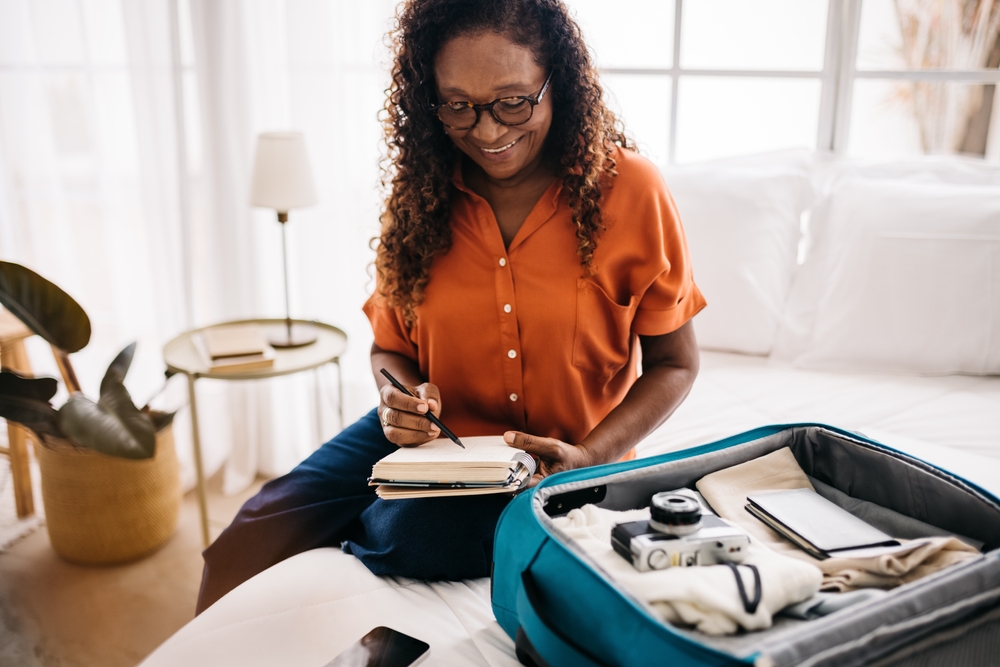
x,y
706,597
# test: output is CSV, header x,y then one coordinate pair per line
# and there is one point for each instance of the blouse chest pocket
x,y
602,340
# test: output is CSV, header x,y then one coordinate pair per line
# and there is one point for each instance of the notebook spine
x,y
524,458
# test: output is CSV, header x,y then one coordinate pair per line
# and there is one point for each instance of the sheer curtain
x,y
317,67
88,173
126,139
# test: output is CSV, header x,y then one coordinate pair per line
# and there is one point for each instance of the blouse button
x,y
506,308
511,354
513,397
503,261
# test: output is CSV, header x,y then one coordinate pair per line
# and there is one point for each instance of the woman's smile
x,y
499,151
502,153
481,68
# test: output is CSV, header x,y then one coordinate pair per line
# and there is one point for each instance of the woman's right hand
x,y
403,417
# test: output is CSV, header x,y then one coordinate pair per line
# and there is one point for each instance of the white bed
x,y
952,421
863,298
307,609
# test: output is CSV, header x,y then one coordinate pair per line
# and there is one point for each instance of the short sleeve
x,y
672,298
391,333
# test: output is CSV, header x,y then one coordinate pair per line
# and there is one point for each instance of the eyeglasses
x,y
506,110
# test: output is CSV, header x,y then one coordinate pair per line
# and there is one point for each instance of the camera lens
x,y
674,514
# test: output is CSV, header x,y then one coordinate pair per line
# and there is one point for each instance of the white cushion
x,y
903,273
742,220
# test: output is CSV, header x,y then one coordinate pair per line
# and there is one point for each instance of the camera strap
x,y
749,605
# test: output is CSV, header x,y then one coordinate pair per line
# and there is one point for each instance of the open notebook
x,y
442,468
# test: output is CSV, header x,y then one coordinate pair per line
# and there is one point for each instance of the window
x,y
700,79
924,76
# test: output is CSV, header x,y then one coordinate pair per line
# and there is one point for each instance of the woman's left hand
x,y
553,455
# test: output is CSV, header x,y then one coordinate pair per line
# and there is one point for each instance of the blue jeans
x,y
326,501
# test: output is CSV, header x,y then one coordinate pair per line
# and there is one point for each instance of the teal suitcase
x,y
562,611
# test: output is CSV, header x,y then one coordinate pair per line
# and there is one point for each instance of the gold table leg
x,y
196,439
319,408
340,394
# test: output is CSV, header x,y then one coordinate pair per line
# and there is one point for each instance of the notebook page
x,y
478,449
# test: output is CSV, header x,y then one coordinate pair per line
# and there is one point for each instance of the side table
x,y
181,356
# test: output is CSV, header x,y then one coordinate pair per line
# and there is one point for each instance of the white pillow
x,y
902,274
742,221
828,168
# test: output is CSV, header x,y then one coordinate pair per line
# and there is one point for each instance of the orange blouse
x,y
520,338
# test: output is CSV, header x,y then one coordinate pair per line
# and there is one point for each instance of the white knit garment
x,y
706,597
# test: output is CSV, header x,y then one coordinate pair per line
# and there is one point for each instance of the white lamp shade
x,y
282,177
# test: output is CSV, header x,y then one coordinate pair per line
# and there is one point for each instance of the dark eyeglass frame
x,y
533,100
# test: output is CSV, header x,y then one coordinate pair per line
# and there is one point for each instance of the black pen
x,y
429,415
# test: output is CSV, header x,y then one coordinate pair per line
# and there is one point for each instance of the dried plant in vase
x,y
955,34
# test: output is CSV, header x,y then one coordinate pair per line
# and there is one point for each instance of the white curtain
x,y
86,173
311,66
126,139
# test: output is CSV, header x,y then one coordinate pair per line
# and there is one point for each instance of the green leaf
x,y
119,367
112,426
39,416
116,400
43,307
13,383
160,420
26,401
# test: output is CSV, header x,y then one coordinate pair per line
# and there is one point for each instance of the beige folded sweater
x,y
726,491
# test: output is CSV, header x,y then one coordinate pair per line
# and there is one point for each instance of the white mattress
x,y
304,611
952,421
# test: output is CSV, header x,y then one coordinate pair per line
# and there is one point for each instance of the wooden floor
x,y
55,614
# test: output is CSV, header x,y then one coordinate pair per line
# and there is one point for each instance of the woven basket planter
x,y
103,509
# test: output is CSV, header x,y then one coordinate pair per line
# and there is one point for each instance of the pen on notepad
x,y
434,420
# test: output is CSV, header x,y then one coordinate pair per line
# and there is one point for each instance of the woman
x,y
528,259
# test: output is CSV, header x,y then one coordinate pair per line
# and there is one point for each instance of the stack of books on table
x,y
442,468
234,349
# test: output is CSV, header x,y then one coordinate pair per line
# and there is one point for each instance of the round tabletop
x,y
182,356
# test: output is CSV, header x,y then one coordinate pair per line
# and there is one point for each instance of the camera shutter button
x,y
658,559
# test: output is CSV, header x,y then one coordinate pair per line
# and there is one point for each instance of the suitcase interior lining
x,y
875,474
861,470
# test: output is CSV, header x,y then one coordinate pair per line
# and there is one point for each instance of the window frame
x,y
837,78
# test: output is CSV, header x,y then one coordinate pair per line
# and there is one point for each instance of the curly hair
x,y
419,160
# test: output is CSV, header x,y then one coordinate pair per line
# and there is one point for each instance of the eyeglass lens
x,y
461,116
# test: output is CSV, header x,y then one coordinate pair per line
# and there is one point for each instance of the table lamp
x,y
282,180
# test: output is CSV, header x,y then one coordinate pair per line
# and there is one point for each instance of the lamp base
x,y
291,335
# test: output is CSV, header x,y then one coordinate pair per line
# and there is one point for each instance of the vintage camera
x,y
678,535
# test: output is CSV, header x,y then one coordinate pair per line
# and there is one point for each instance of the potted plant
x,y
110,480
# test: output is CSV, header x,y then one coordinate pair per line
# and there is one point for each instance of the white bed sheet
x,y
952,421
304,611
